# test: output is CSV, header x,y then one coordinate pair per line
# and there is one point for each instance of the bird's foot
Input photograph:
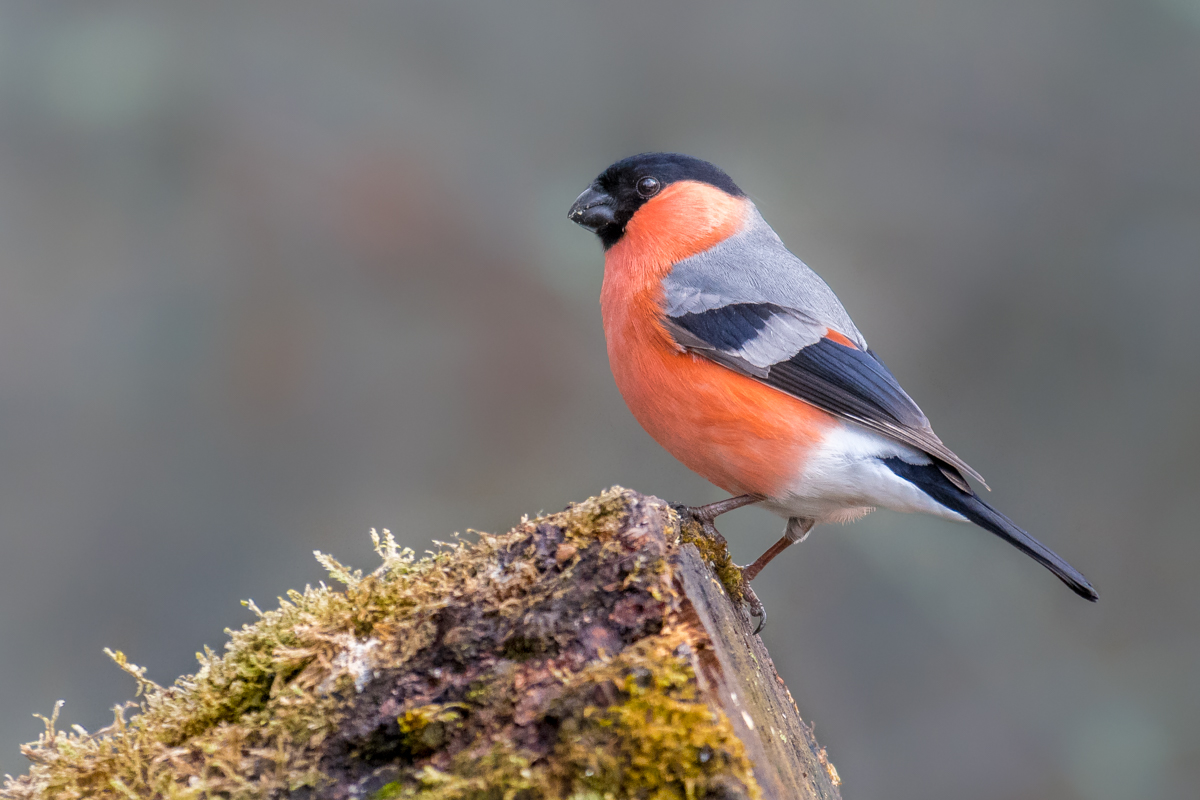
x,y
735,578
754,606
705,521
706,514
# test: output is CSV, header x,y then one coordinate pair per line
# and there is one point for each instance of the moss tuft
x,y
551,661
658,740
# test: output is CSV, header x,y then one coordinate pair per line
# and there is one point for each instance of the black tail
x,y
929,479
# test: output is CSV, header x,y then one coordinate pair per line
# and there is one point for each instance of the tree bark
x,y
738,675
590,654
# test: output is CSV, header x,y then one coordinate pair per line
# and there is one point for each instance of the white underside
x,y
846,479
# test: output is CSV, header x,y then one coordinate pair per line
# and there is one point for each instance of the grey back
x,y
754,266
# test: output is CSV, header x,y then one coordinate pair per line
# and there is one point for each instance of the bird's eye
x,y
648,187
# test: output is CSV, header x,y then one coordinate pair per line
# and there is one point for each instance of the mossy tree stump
x,y
590,654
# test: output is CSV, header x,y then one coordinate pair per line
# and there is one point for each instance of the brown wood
x,y
738,673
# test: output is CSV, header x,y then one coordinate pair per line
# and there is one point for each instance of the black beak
x,y
593,209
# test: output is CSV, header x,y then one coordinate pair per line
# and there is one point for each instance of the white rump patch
x,y
845,478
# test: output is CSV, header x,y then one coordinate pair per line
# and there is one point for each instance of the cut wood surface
x,y
590,654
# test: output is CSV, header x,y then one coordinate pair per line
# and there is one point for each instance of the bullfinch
x,y
742,363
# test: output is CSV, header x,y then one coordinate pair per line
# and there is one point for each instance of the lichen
x,y
549,662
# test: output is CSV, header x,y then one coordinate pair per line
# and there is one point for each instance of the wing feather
x,y
847,382
737,304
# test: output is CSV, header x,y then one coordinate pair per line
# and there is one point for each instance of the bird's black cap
x,y
606,206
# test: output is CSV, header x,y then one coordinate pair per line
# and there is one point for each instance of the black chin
x,y
610,234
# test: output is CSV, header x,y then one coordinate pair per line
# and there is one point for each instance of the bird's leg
x,y
797,528
705,515
796,531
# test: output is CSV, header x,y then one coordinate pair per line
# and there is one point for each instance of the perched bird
x,y
742,363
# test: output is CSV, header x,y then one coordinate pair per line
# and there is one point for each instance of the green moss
x,y
552,661
426,729
497,775
658,739
716,553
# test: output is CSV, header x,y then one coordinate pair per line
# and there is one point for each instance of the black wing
x,y
843,380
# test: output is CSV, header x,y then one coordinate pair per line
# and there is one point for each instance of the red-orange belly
x,y
736,432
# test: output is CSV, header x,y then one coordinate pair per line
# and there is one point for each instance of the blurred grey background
x,y
272,274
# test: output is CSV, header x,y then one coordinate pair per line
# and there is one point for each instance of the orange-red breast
x,y
740,361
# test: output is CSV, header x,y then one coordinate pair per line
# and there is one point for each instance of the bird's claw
x,y
755,607
703,517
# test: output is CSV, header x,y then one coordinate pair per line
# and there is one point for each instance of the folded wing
x,y
750,305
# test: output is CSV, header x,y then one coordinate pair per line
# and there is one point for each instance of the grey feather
x,y
723,275
753,272
690,341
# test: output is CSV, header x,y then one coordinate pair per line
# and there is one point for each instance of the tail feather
x,y
929,479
